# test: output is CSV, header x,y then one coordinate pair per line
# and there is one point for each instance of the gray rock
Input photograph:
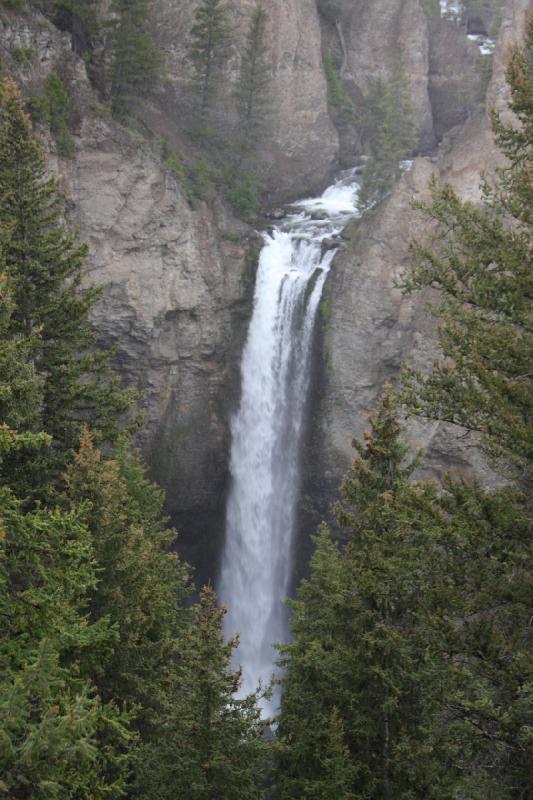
x,y
370,328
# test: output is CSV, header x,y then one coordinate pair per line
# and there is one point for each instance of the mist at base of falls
x,y
267,429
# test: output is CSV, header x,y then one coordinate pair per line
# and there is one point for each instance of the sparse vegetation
x,y
22,55
53,108
244,195
338,100
209,51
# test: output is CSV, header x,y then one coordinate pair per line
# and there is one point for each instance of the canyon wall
x,y
369,328
177,281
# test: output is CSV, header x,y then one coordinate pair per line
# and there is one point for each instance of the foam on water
x,y
267,429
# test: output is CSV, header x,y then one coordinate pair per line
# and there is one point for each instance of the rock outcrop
x,y
378,35
178,282
176,286
370,328
299,143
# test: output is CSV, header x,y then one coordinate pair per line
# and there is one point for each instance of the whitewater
x,y
266,431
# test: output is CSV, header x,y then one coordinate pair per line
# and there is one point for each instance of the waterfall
x,y
267,429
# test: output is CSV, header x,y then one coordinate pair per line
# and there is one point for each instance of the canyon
x,y
178,281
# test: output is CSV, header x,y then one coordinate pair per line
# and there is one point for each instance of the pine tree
x,y
44,263
57,739
478,612
388,128
20,386
336,768
252,85
359,642
213,743
209,50
480,258
142,584
135,60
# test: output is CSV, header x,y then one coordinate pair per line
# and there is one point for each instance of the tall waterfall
x,y
267,429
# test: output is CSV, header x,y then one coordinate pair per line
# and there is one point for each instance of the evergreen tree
x,y
388,130
253,82
135,59
417,632
53,107
20,386
44,263
478,612
213,742
57,739
141,582
337,771
359,642
209,50
480,258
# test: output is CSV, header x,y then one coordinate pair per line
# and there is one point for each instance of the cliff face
x,y
377,35
371,328
299,142
178,282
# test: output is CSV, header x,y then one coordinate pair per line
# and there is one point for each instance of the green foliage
x,y
480,259
388,131
336,97
21,389
141,583
51,718
53,107
213,742
416,631
44,262
178,170
104,674
357,644
209,50
478,613
22,54
245,196
204,178
197,179
252,85
135,61
14,5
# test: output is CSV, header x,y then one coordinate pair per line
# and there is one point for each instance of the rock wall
x,y
369,328
377,34
178,282
176,286
299,144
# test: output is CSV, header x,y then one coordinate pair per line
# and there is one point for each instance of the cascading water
x,y
266,431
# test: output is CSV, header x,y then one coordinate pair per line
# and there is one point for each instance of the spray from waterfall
x,y
267,429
